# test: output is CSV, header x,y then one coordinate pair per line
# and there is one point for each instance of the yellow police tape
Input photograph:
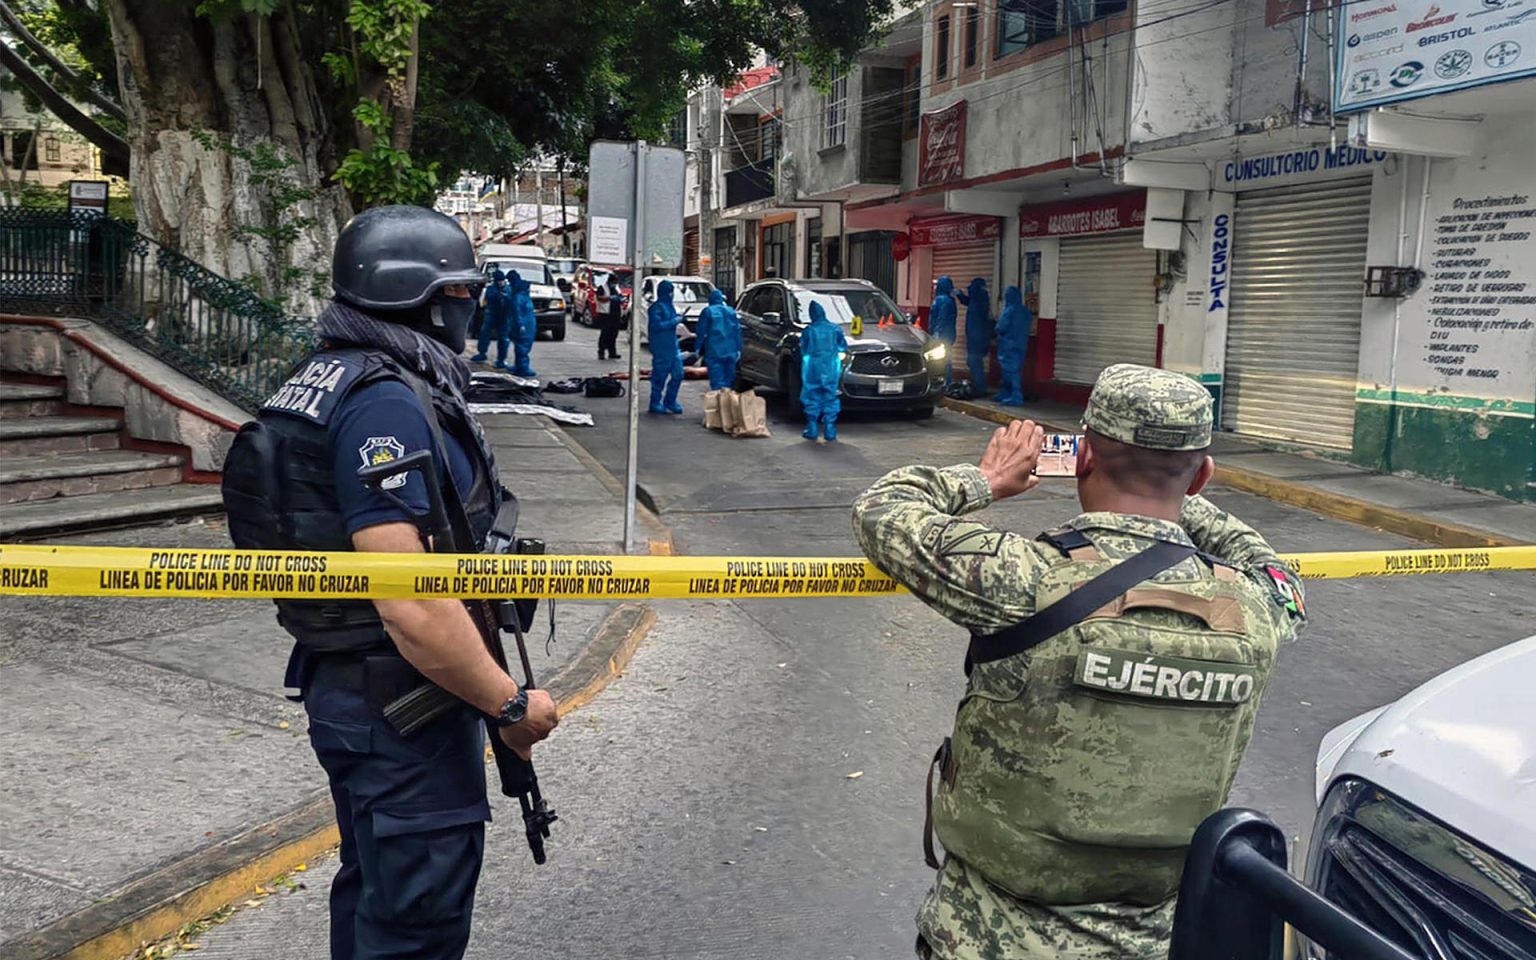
x,y
34,570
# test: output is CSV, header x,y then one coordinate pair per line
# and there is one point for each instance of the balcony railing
x,y
749,183
214,330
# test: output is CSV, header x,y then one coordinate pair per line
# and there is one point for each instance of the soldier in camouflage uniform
x,y
1081,764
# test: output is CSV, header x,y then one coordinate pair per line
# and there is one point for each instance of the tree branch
x,y
113,146
20,31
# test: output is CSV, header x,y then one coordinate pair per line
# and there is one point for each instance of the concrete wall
x,y
818,171
1211,72
1020,108
1447,377
101,370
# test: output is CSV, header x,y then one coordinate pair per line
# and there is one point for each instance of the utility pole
x,y
538,189
565,237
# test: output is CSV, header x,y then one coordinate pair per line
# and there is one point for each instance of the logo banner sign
x,y
928,233
941,146
1117,211
1405,49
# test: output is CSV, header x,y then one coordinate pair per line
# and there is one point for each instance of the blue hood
x,y
664,291
945,287
1013,298
818,315
978,289
498,276
716,298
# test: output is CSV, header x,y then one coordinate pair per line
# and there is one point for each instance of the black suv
x,y
892,365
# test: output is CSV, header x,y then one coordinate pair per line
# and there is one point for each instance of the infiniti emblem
x,y
890,360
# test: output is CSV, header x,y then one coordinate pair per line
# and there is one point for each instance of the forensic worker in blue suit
x,y
719,339
822,346
666,358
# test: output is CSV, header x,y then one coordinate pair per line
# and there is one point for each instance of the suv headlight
x,y
557,304
935,352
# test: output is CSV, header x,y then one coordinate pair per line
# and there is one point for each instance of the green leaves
x,y
381,174
384,29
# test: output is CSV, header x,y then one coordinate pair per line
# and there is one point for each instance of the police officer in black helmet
x,y
387,380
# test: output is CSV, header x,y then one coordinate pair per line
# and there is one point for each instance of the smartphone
x,y
1058,458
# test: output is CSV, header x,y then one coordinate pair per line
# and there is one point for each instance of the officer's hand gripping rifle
x,y
426,702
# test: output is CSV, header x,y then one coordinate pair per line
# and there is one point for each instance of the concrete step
x,y
76,474
42,518
18,400
38,435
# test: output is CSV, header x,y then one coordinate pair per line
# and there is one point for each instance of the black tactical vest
x,y
279,492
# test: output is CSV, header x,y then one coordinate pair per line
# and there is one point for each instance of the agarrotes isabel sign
x,y
1406,49
1117,211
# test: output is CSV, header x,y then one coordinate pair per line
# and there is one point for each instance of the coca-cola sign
x,y
942,230
941,146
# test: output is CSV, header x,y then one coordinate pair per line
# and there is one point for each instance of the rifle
x,y
418,707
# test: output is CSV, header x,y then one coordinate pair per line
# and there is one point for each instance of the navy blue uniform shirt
x,y
382,422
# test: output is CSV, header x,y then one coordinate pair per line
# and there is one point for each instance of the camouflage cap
x,y
1152,408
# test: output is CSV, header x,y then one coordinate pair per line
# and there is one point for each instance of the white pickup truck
x,y
1426,824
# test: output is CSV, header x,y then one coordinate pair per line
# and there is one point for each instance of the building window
x,y
1023,23
912,96
813,247
779,249
677,129
725,262
51,151
22,153
972,32
941,55
834,113
770,136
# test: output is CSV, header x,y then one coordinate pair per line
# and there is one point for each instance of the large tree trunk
x,y
243,80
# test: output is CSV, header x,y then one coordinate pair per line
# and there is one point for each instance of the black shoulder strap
x,y
458,516
1077,605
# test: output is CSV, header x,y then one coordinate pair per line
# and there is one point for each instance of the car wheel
x,y
922,413
791,382
557,333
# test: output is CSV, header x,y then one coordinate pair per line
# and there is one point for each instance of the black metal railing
x,y
1236,896
216,331
749,183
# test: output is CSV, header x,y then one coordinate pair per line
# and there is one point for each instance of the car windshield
x,y
564,266
690,291
843,305
623,276
533,271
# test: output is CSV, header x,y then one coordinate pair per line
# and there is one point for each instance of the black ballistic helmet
x,y
396,258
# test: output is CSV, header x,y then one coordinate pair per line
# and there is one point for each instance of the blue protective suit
x,y
1013,346
941,321
666,359
978,333
719,340
496,321
525,325
822,346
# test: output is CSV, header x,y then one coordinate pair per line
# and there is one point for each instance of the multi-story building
x,y
1247,192
37,148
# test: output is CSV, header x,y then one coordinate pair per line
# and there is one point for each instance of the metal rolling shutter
x,y
1106,307
1293,328
962,264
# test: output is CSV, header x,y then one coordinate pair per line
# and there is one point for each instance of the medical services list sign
x,y
1405,49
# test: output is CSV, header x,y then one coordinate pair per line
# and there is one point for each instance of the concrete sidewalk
x,y
153,769
1435,513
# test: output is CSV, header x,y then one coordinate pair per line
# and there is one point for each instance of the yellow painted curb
x,y
237,884
1354,510
1335,505
208,898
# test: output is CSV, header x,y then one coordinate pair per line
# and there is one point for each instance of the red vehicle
x,y
584,294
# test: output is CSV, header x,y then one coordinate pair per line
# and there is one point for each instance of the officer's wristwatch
x,y
514,710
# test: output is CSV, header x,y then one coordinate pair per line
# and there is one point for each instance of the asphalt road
x,y
707,798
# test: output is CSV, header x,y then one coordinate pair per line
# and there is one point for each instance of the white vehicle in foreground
x,y
1426,824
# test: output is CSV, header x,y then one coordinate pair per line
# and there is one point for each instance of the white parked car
x,y
1425,826
690,295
